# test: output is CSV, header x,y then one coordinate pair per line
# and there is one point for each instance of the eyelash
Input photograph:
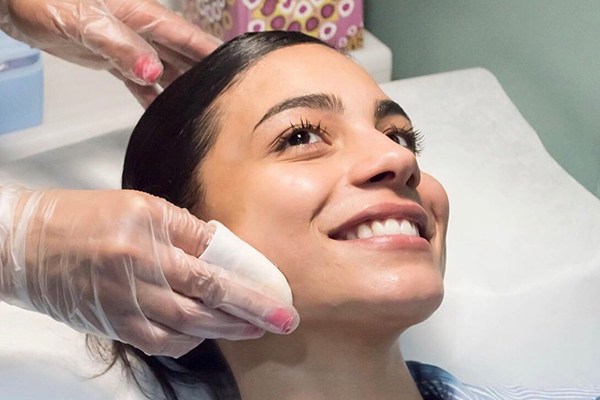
x,y
304,126
413,137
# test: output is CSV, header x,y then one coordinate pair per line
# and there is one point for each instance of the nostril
x,y
382,176
412,181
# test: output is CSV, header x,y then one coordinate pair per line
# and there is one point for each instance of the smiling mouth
x,y
380,228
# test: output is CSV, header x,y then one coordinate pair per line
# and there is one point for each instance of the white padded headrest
x,y
523,265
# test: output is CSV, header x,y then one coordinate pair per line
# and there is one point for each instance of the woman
x,y
298,151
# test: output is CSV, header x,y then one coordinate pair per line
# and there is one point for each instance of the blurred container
x,y
337,22
21,85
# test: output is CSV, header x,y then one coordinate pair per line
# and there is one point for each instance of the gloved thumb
x,y
128,52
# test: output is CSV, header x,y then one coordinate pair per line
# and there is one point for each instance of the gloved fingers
x,y
184,37
170,74
177,60
186,232
84,58
255,306
151,18
145,95
193,318
224,290
127,51
122,317
155,339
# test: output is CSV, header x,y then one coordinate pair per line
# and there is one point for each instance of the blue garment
x,y
435,383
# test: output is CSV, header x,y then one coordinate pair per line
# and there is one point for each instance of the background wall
x,y
546,54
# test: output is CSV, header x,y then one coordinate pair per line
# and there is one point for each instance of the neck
x,y
320,364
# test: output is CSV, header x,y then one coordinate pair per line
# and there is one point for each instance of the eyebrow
x,y
386,108
316,101
330,102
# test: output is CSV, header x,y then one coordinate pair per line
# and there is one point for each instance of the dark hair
x,y
165,149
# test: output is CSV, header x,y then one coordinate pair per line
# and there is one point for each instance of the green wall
x,y
546,54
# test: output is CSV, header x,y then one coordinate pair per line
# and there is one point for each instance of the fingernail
x,y
148,69
282,320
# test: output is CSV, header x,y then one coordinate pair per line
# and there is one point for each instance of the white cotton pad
x,y
233,254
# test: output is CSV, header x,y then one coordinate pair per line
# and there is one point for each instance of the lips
x,y
410,212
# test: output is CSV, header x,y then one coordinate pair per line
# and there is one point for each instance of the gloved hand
x,y
127,37
124,264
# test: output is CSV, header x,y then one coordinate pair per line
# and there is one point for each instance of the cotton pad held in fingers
x,y
233,254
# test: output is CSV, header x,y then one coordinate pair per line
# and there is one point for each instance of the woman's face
x,y
301,199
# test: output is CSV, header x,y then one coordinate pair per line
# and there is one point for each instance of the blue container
x,y
21,85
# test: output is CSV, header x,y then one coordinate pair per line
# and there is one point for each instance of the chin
x,y
407,301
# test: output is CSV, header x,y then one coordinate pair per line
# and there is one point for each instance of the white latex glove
x,y
129,38
124,264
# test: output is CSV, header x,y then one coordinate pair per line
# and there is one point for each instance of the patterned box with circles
x,y
337,22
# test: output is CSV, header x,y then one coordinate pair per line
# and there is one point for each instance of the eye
x,y
305,134
300,137
398,139
410,138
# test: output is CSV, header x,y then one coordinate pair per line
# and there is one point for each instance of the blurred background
x,y
546,54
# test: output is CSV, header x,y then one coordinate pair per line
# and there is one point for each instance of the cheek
x,y
282,204
435,198
273,209
279,211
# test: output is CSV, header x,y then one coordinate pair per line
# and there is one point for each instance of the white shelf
x,y
80,104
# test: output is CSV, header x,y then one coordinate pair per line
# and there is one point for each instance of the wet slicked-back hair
x,y
165,149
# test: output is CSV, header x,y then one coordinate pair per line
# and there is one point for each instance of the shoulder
x,y
435,383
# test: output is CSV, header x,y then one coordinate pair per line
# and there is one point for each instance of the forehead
x,y
300,70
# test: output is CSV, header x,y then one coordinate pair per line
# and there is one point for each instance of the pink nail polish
x,y
281,319
148,69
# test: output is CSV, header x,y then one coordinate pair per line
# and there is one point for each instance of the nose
x,y
379,161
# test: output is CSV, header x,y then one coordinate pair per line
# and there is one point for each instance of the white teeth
x,y
392,227
382,228
378,229
364,231
406,228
